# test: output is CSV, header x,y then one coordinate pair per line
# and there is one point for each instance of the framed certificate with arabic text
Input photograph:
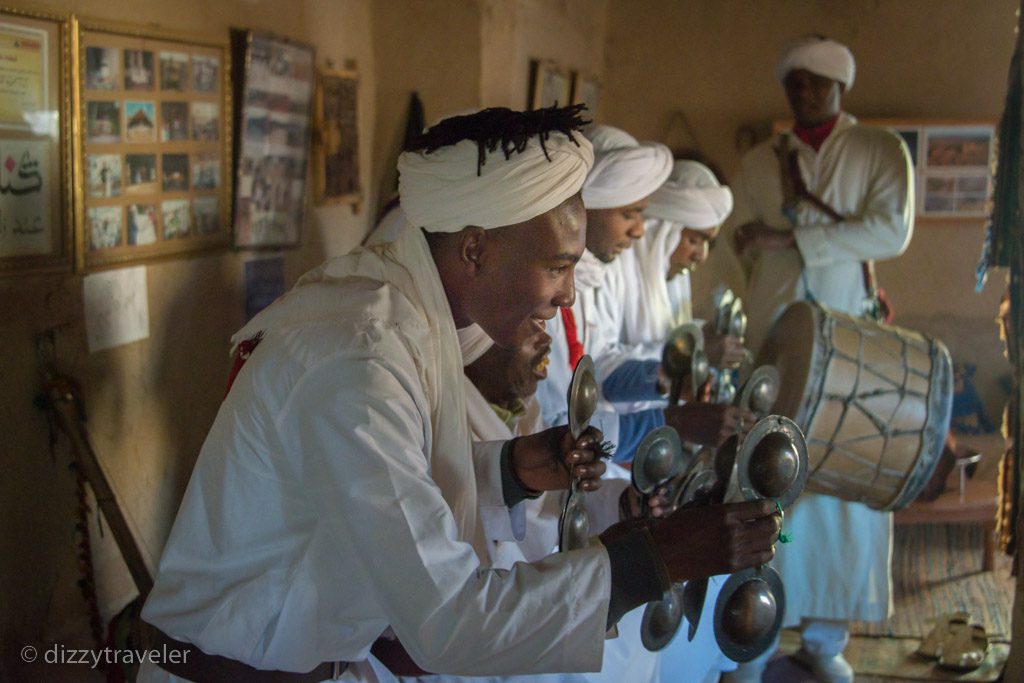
x,y
152,147
35,201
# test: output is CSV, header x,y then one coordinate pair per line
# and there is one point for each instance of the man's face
x,y
611,231
814,99
504,375
525,272
691,252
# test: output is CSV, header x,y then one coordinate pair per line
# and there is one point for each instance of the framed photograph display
x,y
35,161
549,85
152,148
336,138
274,134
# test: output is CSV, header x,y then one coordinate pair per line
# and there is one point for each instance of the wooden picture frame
x,y
549,85
152,148
35,143
336,138
274,134
586,89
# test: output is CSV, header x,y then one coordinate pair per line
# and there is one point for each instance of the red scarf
x,y
575,347
815,137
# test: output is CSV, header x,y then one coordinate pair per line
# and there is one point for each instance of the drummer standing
x,y
801,247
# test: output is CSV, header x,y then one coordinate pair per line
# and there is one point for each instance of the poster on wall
x,y
274,141
336,138
152,148
35,200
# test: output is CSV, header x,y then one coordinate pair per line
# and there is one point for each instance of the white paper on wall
x,y
116,308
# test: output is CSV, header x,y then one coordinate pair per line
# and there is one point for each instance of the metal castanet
x,y
749,612
574,522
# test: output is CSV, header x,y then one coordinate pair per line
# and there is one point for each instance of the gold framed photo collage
x,y
152,148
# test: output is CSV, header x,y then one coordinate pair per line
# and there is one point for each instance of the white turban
x,y
691,197
625,171
818,55
442,192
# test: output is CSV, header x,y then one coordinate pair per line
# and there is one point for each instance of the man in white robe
x,y
838,568
337,498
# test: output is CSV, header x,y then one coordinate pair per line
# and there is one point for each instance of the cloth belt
x,y
204,668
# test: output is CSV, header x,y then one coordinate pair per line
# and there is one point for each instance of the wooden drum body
x,y
874,402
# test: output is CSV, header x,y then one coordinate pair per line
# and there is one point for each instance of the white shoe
x,y
751,672
827,669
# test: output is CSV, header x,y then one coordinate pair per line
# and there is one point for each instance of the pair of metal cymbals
x,y
683,356
574,523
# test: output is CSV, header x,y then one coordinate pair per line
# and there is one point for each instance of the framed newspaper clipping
x,y
336,138
35,125
152,149
274,131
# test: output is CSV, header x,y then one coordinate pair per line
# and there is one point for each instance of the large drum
x,y
873,400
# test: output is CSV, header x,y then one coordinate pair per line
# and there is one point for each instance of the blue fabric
x,y
633,427
634,380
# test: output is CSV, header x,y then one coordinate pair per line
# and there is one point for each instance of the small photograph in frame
x,y
174,71
550,85
205,73
139,121
206,211
142,224
102,68
141,174
205,121
104,224
275,127
138,70
336,138
174,171
205,172
176,217
103,178
957,148
103,122
173,121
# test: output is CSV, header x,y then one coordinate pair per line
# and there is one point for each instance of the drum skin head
x,y
790,348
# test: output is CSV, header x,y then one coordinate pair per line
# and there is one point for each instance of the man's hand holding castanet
x,y
702,541
543,461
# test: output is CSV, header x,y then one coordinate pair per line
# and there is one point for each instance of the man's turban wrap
x,y
441,191
691,197
625,171
818,55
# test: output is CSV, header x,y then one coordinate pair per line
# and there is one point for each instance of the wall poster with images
x,y
336,138
35,145
274,131
952,165
153,146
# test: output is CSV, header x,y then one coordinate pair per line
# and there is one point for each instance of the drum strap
x,y
794,190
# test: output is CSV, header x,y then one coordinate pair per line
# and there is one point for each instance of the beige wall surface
x,y
711,63
151,402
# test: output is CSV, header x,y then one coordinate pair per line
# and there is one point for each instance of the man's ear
x,y
471,247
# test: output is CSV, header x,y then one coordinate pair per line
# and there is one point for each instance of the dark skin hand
x,y
723,350
699,542
542,461
708,424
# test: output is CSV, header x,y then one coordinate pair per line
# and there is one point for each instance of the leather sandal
x,y
965,648
932,645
